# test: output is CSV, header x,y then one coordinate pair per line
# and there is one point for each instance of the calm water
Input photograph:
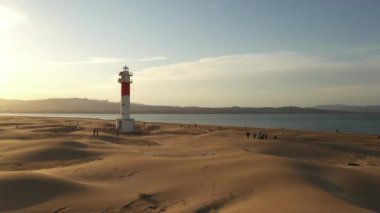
x,y
358,123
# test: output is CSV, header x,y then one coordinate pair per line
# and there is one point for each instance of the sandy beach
x,y
53,165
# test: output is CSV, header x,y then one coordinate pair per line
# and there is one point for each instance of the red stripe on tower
x,y
125,88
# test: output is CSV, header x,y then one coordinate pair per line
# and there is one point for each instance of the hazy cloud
x,y
9,17
103,60
232,66
284,78
91,60
157,58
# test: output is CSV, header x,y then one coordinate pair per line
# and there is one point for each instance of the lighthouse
x,y
125,124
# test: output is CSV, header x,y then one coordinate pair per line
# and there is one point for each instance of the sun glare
x,y
4,67
10,18
2,72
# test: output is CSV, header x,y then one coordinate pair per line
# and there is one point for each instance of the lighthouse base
x,y
125,125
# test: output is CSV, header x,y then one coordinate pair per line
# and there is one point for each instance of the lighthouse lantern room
x,y
125,124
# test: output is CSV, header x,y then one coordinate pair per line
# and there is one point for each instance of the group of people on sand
x,y
260,135
76,126
188,126
95,132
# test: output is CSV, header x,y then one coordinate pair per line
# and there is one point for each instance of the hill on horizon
x,y
80,105
346,108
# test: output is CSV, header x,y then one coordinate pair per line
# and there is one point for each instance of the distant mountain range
x,y
345,108
76,105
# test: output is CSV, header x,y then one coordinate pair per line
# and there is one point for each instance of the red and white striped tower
x,y
125,124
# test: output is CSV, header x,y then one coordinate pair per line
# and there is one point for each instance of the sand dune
x,y
23,189
46,165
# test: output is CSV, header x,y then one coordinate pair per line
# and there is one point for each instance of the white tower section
x,y
125,124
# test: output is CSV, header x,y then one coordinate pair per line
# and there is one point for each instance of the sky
x,y
211,53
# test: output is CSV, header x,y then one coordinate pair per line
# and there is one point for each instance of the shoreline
x,y
187,124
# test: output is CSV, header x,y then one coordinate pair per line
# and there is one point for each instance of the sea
x,y
349,123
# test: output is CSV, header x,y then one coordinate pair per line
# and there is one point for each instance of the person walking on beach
x,y
254,135
259,135
248,134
